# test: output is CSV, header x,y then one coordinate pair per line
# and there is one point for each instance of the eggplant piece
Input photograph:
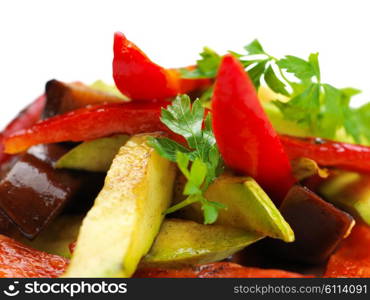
x,y
33,193
7,227
318,226
64,97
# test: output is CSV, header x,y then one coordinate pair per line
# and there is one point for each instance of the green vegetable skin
x,y
95,156
351,192
248,208
126,217
184,242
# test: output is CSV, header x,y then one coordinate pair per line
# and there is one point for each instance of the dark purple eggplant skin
x,y
64,97
33,192
318,226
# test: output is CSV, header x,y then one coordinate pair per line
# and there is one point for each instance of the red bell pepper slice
x,y
352,259
246,139
216,270
25,119
137,77
90,123
17,260
328,153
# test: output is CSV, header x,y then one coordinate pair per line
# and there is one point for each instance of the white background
x,y
72,40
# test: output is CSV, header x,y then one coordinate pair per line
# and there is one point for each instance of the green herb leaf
x,y
207,66
167,147
200,162
319,107
254,48
299,67
274,82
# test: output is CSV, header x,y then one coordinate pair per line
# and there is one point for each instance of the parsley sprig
x,y
200,162
315,105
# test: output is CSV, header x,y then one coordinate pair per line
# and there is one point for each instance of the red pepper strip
x,y
137,77
246,139
216,270
328,153
90,123
25,119
17,260
352,259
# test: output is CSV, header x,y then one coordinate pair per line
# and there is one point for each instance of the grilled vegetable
x,y
248,207
216,270
33,193
319,227
126,217
17,260
137,77
352,259
351,192
25,119
246,139
64,97
96,155
89,123
58,236
181,242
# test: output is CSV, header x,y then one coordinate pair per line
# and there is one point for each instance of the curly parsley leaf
x,y
207,66
254,48
319,107
200,162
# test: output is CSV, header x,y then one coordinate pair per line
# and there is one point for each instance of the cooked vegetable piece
x,y
246,139
64,97
17,260
248,207
33,193
58,236
216,270
328,153
352,259
90,123
111,89
319,227
137,77
351,192
126,217
7,227
25,119
96,155
182,242
304,168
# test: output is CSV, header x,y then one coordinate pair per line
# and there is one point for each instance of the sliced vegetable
x,y
216,270
126,217
33,193
25,119
246,139
111,89
64,97
248,208
181,242
304,168
58,236
328,153
351,192
352,259
137,77
319,227
96,155
17,261
89,123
